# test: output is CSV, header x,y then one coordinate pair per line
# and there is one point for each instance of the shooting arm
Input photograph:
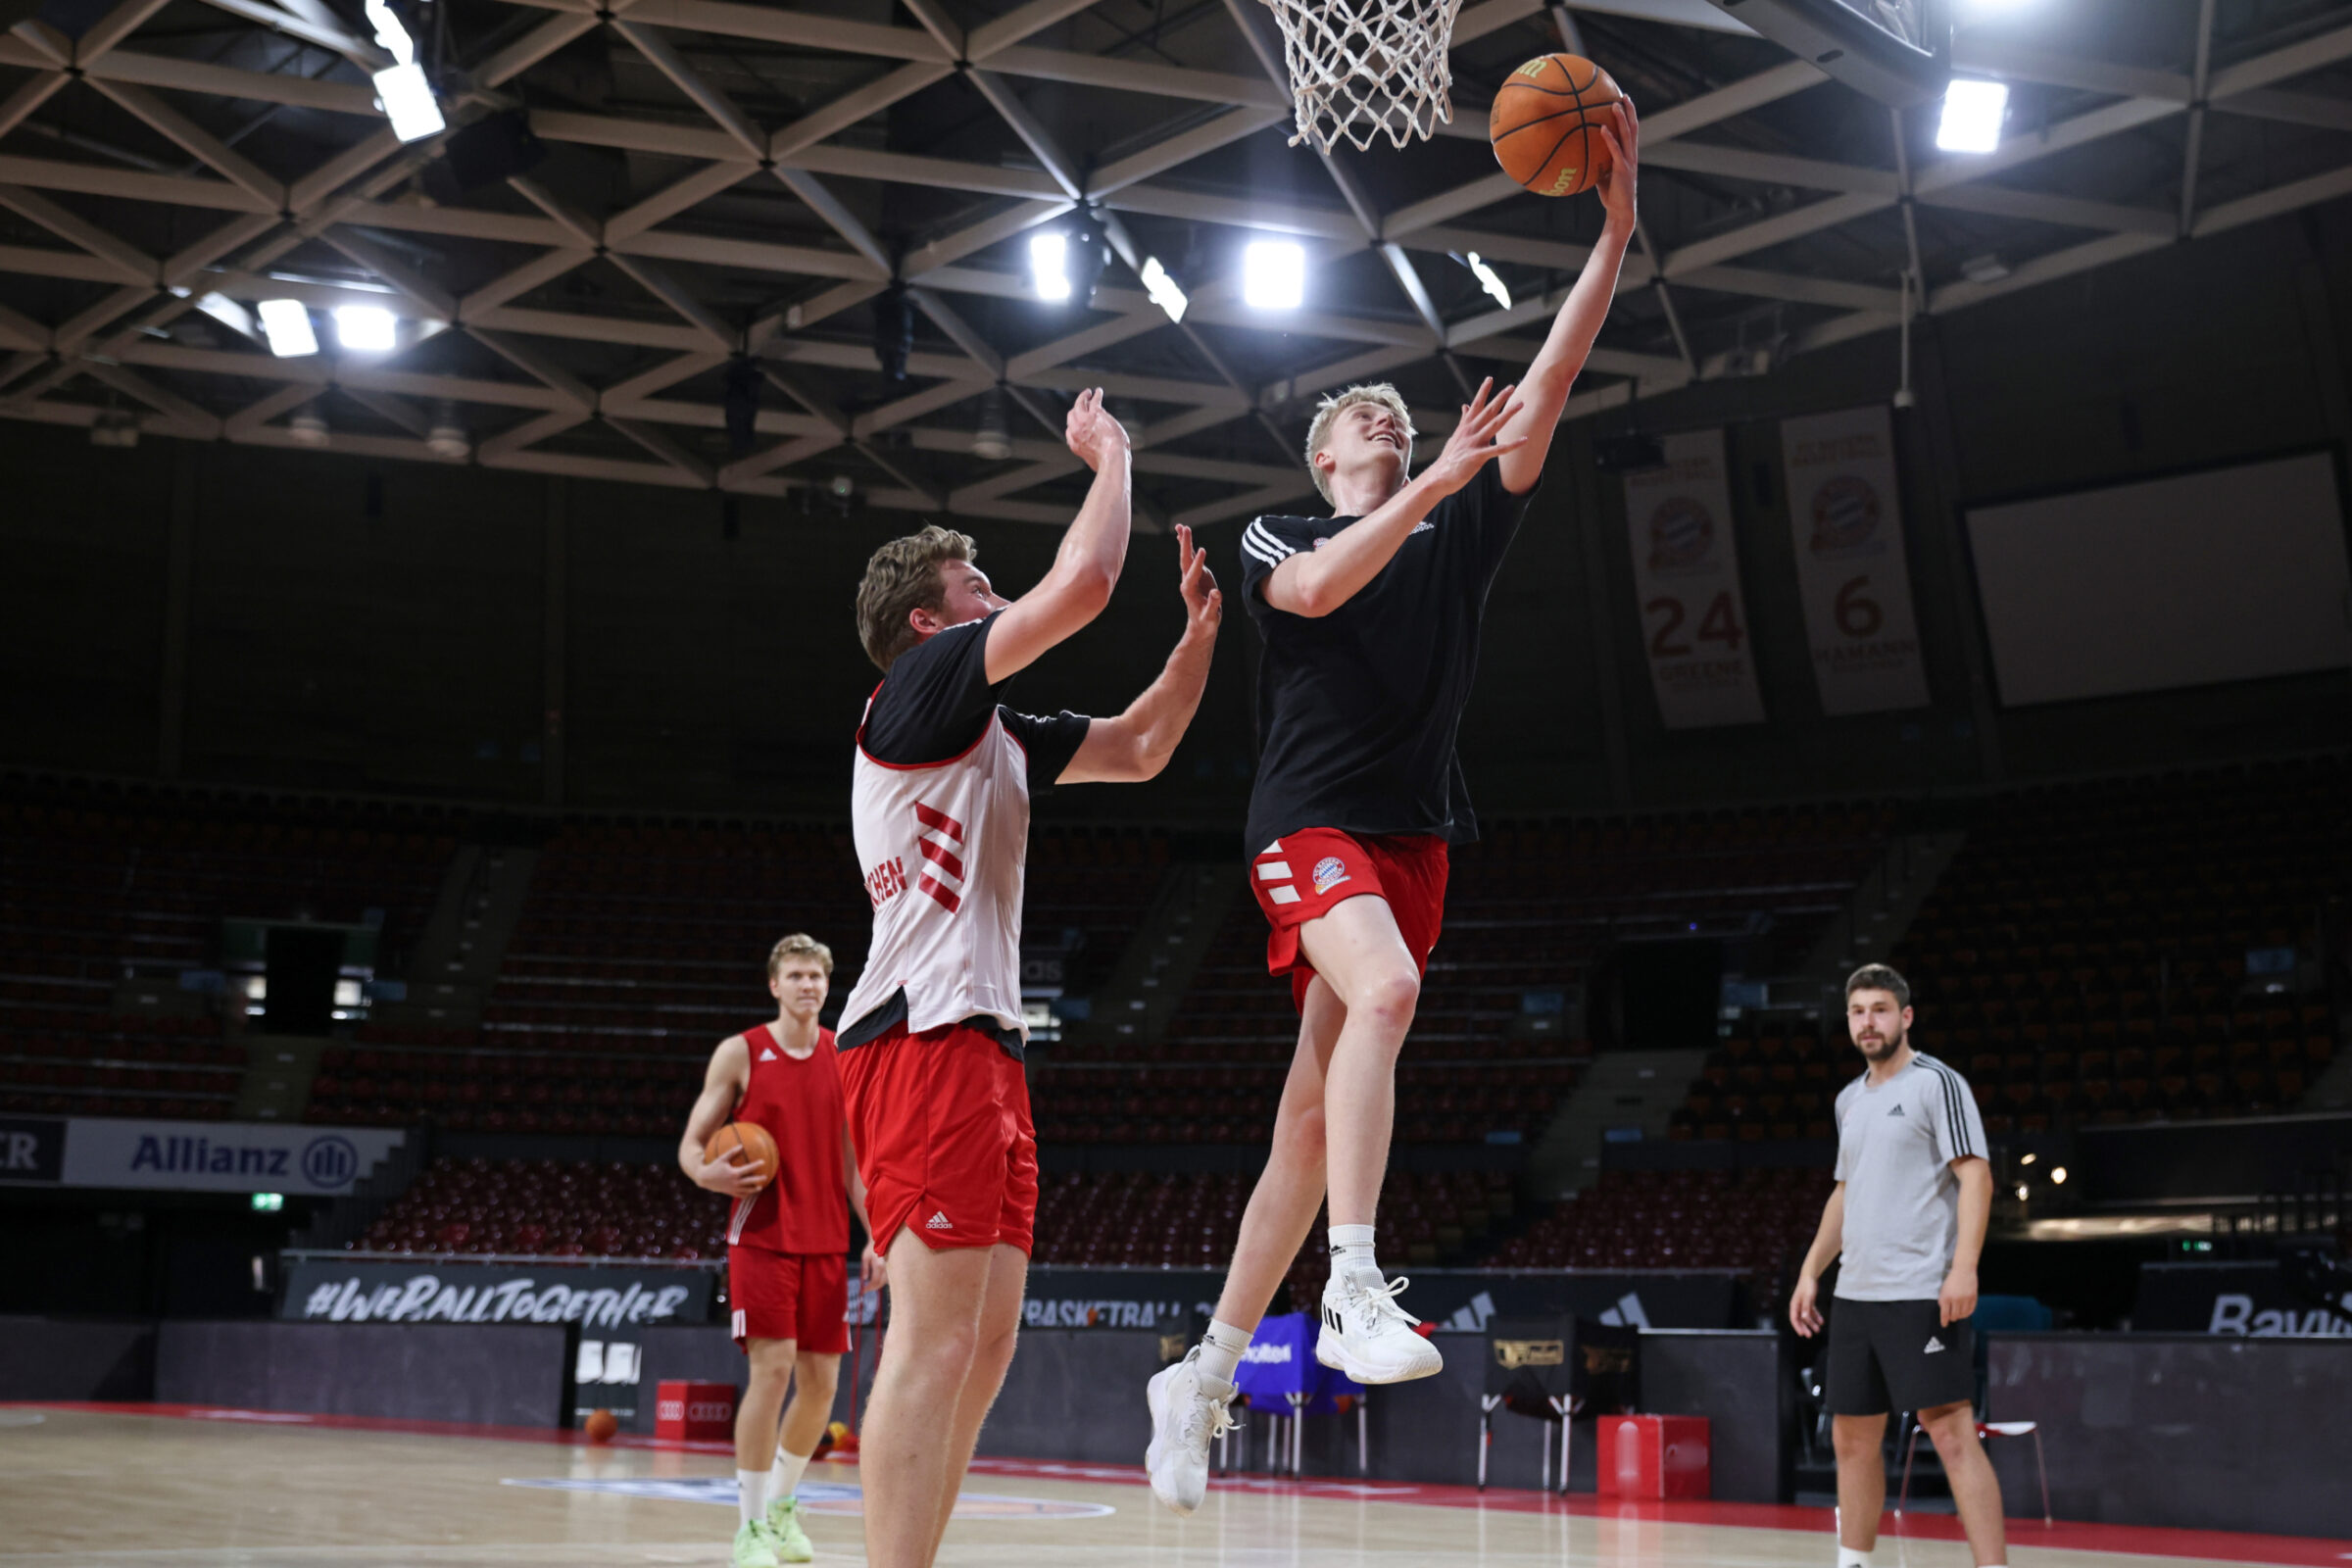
x,y
1544,389
1087,565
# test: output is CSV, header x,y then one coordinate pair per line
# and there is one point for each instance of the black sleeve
x,y
1049,742
935,700
1482,518
1267,543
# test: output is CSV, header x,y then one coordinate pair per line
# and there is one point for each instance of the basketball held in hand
x,y
759,1147
1547,124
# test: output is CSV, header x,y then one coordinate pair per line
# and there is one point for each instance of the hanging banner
x,y
1687,582
1847,514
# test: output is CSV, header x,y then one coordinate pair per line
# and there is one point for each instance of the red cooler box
x,y
1653,1456
695,1411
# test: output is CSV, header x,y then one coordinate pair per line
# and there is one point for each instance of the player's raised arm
x,y
1137,744
1544,390
1315,583
1086,567
730,1071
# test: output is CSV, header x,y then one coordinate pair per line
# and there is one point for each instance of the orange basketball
x,y
759,1147
1545,123
601,1425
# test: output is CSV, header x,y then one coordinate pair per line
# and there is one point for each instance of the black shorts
x,y
1894,1356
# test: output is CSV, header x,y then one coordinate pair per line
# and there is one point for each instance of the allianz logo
x,y
1277,1353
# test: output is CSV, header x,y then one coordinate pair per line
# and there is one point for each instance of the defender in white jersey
x,y
931,1037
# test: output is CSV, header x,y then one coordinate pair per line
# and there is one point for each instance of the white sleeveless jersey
x,y
943,848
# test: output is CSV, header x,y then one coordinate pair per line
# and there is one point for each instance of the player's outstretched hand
x,y
1804,1311
1203,601
1624,140
1093,435
1475,441
733,1175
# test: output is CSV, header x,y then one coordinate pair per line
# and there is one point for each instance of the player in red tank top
x,y
788,1241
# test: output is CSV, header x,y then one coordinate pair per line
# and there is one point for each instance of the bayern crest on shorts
x,y
1330,872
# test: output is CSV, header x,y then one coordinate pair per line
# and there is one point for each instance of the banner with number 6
x,y
1687,581
1847,513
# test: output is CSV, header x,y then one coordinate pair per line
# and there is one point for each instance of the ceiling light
x,y
1162,289
447,439
1971,115
993,440
2058,1175
1048,257
1985,268
2029,1159
230,313
1274,274
408,102
287,325
1488,281
115,428
308,429
2022,1193
367,329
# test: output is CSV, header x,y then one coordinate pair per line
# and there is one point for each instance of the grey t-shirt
x,y
1896,1142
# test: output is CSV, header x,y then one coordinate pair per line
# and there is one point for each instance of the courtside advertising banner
x,y
442,1290
1847,514
210,1157
1686,584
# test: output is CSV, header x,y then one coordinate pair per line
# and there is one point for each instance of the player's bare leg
x,y
1289,1191
991,1358
1860,1442
756,1424
905,1453
1357,950
1975,1490
814,1380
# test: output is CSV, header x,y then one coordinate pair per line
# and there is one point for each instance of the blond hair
x,y
799,945
901,578
1331,408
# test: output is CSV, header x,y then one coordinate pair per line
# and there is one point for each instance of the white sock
x,y
1222,1351
1352,1252
751,1495
784,1481
1849,1557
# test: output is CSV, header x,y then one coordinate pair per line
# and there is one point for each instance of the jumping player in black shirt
x,y
1370,620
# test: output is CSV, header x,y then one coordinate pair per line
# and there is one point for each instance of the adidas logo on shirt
x,y
768,1055
1898,1111
1934,1345
938,1222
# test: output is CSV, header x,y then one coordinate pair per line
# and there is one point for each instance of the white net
x,y
1360,69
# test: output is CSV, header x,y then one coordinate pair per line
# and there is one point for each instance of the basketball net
x,y
1362,67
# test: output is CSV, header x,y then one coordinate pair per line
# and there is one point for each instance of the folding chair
x,y
1555,1369
1986,1430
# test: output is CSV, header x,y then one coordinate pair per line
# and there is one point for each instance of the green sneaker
x,y
756,1546
784,1523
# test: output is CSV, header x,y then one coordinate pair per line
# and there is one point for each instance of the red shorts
x,y
944,1144
1302,875
790,1295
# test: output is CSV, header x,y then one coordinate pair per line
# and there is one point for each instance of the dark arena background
x,y
411,748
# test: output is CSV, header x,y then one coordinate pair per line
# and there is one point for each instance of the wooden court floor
x,y
109,1487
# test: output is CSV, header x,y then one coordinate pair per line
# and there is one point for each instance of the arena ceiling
x,y
722,179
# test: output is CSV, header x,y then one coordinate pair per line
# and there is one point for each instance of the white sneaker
x,y
1187,1411
1369,1337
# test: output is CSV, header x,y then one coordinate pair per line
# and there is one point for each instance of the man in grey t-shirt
x,y
1914,1192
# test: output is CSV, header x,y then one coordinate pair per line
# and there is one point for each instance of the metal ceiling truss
x,y
359,205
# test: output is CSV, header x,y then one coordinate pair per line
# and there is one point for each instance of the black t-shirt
x,y
933,706
936,701
1357,710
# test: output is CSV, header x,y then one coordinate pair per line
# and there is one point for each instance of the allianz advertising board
x,y
191,1155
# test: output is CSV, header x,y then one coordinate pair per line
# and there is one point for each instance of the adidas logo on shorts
x,y
938,1222
1934,1345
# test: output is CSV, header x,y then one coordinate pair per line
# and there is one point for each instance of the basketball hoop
x,y
1362,67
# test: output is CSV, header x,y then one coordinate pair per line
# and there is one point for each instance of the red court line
x,y
2139,1541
